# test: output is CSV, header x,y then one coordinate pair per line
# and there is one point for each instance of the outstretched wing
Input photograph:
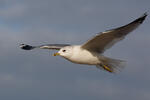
x,y
105,40
48,46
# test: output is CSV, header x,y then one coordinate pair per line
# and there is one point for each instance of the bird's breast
x,y
82,56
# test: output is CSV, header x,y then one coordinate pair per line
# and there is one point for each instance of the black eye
x,y
64,50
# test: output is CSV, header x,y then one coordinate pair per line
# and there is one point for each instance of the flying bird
x,y
91,52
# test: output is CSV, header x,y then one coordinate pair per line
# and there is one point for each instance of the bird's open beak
x,y
56,54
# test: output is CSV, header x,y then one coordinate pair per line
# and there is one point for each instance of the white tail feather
x,y
114,65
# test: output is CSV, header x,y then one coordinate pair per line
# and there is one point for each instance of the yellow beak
x,y
56,54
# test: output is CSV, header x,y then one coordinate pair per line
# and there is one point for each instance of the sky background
x,y
36,75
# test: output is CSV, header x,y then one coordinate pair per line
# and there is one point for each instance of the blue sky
x,y
36,75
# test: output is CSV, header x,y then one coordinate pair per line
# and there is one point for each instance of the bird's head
x,y
65,52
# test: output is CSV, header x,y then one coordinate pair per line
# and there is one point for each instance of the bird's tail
x,y
111,65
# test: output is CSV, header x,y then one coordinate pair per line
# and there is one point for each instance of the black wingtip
x,y
26,47
145,14
142,18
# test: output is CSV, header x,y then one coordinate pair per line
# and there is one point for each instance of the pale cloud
x,y
36,74
13,11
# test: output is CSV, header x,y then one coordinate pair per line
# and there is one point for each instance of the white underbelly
x,y
84,57
88,61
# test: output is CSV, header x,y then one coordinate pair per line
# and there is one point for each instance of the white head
x,y
65,52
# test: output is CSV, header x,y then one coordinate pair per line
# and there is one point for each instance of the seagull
x,y
91,52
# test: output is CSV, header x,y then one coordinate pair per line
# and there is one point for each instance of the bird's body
x,y
83,56
91,52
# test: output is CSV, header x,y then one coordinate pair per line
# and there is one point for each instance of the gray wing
x,y
105,40
48,46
